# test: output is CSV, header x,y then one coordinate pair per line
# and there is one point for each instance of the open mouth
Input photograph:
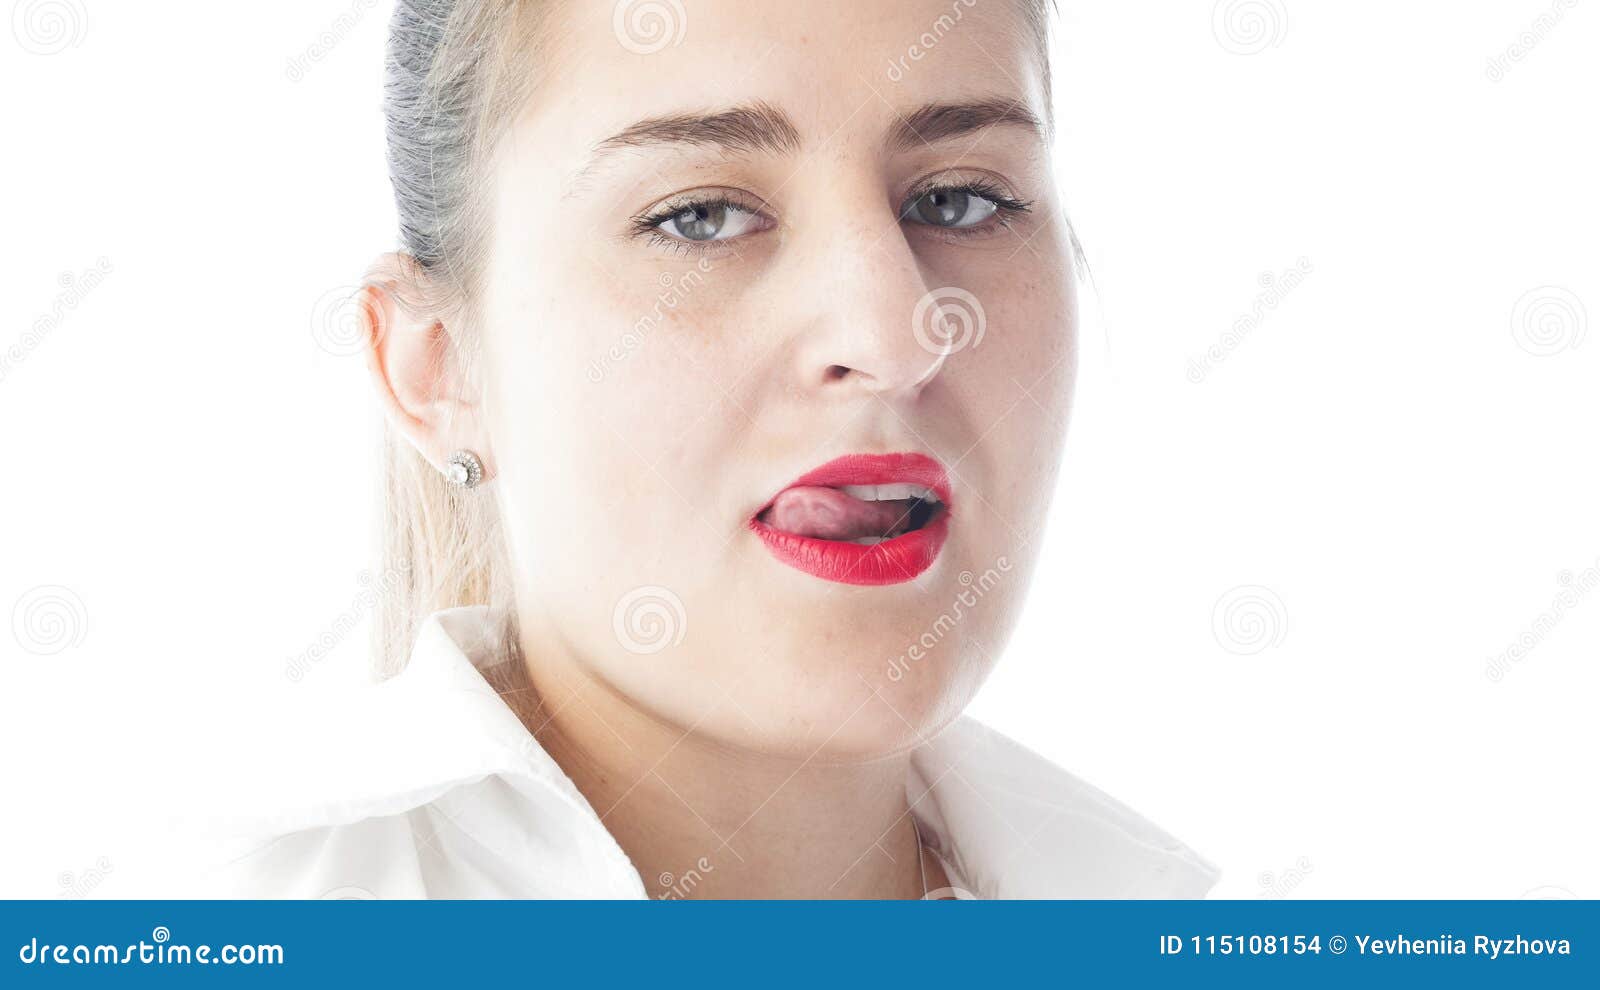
x,y
863,514
865,519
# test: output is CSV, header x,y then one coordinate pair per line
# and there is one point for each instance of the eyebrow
x,y
761,128
942,121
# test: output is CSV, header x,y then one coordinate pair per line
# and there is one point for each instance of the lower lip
x,y
893,561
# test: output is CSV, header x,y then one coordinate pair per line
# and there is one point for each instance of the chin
x,y
835,699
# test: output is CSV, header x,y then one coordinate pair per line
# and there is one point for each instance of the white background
x,y
1396,462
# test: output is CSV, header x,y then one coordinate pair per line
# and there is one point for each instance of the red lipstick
x,y
895,560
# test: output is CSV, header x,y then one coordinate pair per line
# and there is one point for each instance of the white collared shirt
x,y
431,787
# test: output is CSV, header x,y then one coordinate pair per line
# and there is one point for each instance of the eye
x,y
961,207
701,221
952,208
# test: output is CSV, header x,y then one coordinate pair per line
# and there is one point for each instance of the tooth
x,y
887,493
868,541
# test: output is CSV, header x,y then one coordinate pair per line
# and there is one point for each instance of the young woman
x,y
727,360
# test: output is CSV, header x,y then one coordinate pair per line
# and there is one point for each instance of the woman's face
x,y
729,248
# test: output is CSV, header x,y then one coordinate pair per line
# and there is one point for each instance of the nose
x,y
870,323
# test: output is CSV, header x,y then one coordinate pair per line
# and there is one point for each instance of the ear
x,y
413,359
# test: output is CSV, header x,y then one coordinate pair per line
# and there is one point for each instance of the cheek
x,y
1014,392
607,429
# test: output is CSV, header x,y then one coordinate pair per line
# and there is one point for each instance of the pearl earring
x,y
463,469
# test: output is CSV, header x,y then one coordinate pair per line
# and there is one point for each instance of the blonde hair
x,y
456,72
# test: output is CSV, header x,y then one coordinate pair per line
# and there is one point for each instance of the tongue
x,y
830,514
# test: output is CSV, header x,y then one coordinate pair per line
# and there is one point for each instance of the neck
x,y
704,820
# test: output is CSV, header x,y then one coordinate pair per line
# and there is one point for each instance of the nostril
x,y
836,372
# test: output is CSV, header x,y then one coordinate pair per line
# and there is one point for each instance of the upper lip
x,y
909,468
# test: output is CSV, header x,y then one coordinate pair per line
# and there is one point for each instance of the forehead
x,y
839,70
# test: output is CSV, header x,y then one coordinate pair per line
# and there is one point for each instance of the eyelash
x,y
648,224
1007,210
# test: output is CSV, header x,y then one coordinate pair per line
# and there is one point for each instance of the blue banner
x,y
719,943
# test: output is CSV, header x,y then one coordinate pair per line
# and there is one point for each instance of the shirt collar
x,y
1009,822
